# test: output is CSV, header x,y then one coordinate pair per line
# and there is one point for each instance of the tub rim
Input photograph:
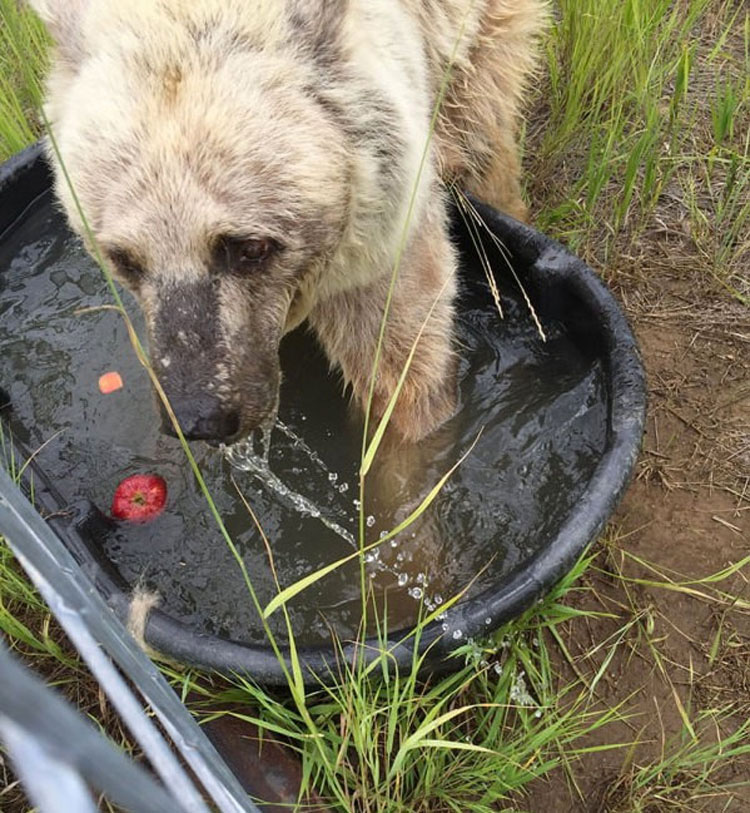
x,y
550,265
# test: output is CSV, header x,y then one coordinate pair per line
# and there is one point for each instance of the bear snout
x,y
203,417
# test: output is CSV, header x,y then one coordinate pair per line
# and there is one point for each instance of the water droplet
x,y
370,521
415,592
383,534
394,543
498,667
403,579
538,713
420,578
438,598
343,488
457,634
488,620
444,626
332,477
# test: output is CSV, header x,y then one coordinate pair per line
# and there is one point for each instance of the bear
x,y
244,166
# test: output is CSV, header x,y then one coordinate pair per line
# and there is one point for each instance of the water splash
x,y
251,455
304,447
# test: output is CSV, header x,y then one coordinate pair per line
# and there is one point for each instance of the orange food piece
x,y
110,382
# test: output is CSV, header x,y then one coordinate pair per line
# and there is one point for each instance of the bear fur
x,y
246,165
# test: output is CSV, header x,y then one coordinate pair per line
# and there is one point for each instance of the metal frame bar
x,y
98,635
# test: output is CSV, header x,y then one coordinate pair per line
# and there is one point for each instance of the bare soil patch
x,y
687,514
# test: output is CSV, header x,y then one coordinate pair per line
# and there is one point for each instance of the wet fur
x,y
305,121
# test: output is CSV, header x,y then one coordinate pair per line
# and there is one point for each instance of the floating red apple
x,y
140,498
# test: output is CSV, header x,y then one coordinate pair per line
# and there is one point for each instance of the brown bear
x,y
246,165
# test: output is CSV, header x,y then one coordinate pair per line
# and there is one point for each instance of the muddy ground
x,y
688,515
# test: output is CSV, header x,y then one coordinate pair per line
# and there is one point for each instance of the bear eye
x,y
247,254
126,265
255,251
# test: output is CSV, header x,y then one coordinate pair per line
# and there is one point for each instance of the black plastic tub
x,y
563,290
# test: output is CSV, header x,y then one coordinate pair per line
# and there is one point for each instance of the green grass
x,y
629,129
631,119
23,60
685,776
386,741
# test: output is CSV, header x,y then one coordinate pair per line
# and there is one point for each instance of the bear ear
x,y
63,20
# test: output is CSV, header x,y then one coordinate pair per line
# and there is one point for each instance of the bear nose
x,y
202,417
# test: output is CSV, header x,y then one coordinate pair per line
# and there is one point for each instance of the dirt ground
x,y
687,514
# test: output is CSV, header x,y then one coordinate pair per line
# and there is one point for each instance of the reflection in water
x,y
541,406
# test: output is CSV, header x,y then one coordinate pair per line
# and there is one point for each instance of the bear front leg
x,y
348,326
